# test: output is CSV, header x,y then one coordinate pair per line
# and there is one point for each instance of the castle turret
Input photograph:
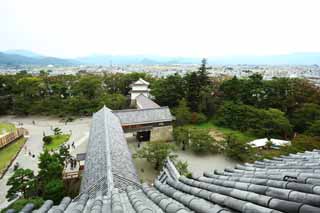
x,y
139,87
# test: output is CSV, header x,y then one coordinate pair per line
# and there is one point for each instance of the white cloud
x,y
164,27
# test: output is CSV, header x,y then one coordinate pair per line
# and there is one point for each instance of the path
x,y
79,129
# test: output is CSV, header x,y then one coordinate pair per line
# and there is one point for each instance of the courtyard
x,y
37,126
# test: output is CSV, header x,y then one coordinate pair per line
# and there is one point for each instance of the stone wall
x,y
163,133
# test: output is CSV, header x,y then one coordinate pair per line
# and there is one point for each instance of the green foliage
x,y
197,139
201,141
269,144
314,129
238,150
182,113
47,140
20,203
181,136
8,152
64,154
53,190
57,141
57,131
303,117
50,167
198,118
22,181
156,153
182,168
263,123
168,91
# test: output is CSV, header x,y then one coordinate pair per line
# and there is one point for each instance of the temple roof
x,y
143,116
107,151
286,184
283,184
140,82
145,103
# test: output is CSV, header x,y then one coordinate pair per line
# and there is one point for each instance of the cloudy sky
x,y
199,28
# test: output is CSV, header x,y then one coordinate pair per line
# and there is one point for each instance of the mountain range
x,y
25,57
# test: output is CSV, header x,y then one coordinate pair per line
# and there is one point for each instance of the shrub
x,y
182,168
201,141
54,190
198,118
47,139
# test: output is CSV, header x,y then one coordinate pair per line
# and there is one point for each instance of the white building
x,y
139,87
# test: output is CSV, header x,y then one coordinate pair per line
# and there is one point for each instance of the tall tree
x,y
156,153
182,113
21,182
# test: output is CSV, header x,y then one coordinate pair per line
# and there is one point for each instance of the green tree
x,y
156,153
89,86
168,91
303,117
57,131
314,129
182,113
181,136
22,181
200,140
276,124
237,150
47,139
54,190
50,167
64,154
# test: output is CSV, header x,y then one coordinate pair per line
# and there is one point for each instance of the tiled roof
x,y
143,116
145,103
140,81
268,186
107,151
284,184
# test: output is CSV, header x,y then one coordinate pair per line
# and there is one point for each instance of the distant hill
x,y
135,59
25,53
25,57
14,59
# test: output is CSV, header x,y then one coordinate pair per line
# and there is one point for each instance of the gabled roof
x,y
145,103
143,116
107,151
140,82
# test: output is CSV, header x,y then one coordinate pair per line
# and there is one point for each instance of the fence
x,y
12,136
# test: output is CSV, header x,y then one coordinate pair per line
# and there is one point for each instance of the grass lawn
x,y
241,136
57,140
8,152
6,127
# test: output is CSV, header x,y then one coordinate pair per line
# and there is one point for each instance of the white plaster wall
x,y
163,133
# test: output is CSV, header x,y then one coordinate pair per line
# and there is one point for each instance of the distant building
x,y
139,87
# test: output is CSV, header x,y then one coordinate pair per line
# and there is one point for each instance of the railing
x,y
101,185
70,175
91,191
119,181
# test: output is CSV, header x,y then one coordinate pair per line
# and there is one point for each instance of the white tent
x,y
263,141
